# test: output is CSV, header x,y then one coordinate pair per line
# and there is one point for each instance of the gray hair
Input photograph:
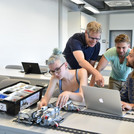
x,y
57,55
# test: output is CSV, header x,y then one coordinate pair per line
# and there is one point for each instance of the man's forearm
x,y
91,70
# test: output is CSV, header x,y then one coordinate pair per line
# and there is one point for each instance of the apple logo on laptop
x,y
101,100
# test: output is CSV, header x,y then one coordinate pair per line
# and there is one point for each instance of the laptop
x,y
32,68
103,100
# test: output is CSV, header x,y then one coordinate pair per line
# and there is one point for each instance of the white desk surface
x,y
72,120
17,73
98,124
14,73
35,79
8,126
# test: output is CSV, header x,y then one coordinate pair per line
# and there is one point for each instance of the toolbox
x,y
19,96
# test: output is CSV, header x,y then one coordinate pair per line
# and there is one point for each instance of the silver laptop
x,y
102,99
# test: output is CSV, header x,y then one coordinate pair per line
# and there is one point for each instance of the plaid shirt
x,y
127,92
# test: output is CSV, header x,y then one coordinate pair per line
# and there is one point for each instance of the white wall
x,y
28,30
116,21
122,22
77,22
64,33
85,19
104,21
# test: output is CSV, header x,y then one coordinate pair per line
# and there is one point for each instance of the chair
x,y
7,82
19,67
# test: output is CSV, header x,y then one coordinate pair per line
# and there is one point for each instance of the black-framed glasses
x,y
97,39
57,70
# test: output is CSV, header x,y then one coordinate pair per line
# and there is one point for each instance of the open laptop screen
x,y
32,68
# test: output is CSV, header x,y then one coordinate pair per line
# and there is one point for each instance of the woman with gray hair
x,y
70,82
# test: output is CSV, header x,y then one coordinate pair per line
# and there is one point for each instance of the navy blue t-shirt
x,y
77,42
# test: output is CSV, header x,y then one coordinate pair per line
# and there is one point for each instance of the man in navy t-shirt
x,y
82,50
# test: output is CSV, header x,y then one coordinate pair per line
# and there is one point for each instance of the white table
x,y
72,120
35,79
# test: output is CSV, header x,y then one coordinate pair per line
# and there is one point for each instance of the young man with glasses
x,y
82,50
68,81
117,57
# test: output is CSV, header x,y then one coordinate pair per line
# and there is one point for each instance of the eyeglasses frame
x,y
97,39
58,70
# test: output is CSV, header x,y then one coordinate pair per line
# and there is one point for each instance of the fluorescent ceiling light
x,y
86,5
78,1
118,3
92,9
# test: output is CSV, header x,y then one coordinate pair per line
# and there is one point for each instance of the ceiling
x,y
104,6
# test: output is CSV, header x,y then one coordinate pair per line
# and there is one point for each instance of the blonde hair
x,y
57,55
94,27
122,38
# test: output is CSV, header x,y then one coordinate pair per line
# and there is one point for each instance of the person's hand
x,y
62,99
126,106
99,80
42,103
